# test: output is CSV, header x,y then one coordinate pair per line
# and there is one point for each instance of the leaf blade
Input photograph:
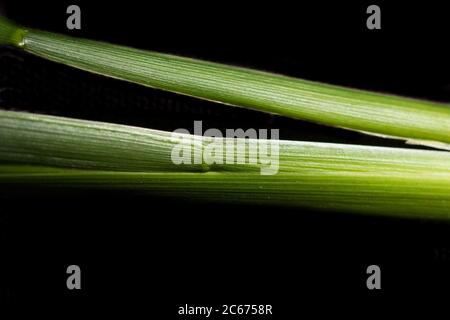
x,y
352,109
375,180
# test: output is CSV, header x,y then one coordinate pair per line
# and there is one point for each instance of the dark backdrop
x,y
157,253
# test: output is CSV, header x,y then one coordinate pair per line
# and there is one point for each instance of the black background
x,y
150,254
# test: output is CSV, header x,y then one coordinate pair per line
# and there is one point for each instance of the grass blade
x,y
408,195
53,153
392,116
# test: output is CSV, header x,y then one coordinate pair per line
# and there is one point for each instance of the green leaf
x,y
387,115
47,153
